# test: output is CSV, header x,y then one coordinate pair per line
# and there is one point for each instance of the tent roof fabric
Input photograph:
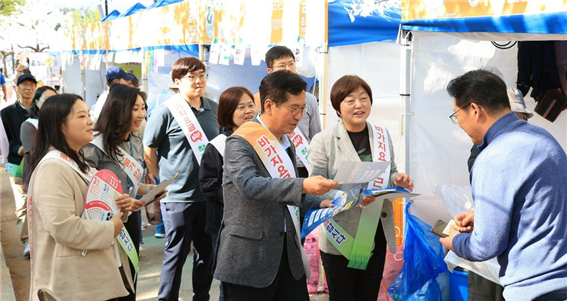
x,y
161,3
350,25
132,10
545,23
113,15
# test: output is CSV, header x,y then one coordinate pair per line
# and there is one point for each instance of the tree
x,y
8,7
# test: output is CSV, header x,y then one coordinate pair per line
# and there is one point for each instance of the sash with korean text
x,y
130,166
301,146
358,250
189,125
279,165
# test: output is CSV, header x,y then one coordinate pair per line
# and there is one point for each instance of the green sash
x,y
358,250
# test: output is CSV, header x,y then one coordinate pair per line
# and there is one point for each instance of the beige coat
x,y
58,236
327,151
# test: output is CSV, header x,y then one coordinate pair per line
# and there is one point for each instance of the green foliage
x,y
8,7
90,16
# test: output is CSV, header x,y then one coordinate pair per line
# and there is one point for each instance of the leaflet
x,y
360,172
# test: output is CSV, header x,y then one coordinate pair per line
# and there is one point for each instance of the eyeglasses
x,y
193,78
295,111
453,116
284,66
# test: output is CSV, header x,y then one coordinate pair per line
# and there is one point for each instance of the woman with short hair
x,y
354,138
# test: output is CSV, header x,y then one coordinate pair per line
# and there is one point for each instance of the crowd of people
x,y
244,181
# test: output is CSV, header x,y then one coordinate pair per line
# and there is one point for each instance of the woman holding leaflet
x,y
117,148
75,258
355,272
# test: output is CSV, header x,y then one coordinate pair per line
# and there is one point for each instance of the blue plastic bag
x,y
423,262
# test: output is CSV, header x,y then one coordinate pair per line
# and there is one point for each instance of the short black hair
x,y
482,87
276,53
277,85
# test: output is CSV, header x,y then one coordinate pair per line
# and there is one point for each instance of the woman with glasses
x,y
236,106
354,138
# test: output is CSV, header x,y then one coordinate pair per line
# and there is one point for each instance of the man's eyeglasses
x,y
295,111
193,78
283,66
453,116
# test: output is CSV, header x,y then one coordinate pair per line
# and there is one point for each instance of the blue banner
x,y
356,22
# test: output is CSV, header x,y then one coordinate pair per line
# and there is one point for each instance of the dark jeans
x,y
185,223
553,296
284,287
133,227
352,284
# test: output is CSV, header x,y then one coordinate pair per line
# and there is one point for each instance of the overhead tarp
x,y
357,22
487,20
134,9
161,3
113,15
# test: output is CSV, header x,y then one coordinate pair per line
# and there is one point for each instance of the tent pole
x,y
405,99
324,49
144,70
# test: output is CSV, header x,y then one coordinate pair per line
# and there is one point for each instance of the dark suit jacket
x,y
255,206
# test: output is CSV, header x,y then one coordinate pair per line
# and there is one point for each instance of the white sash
x,y
381,152
219,143
130,166
301,146
189,124
279,165
34,122
55,154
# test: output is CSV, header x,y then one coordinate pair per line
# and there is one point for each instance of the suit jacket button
x,y
384,214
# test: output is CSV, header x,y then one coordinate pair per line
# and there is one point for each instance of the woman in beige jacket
x,y
75,258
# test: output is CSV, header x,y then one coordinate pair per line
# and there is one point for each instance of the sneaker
x,y
144,225
160,231
27,251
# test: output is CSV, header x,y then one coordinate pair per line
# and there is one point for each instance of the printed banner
x,y
434,9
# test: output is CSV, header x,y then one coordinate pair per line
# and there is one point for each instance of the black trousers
x,y
352,284
133,227
284,287
185,223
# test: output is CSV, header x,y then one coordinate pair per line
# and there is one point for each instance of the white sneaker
x,y
27,251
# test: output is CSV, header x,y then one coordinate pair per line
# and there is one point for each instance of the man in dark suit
x,y
259,255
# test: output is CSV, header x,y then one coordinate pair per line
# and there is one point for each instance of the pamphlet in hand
x,y
346,201
391,192
359,172
315,217
155,193
100,197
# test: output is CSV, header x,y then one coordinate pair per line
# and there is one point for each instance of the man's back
x,y
520,199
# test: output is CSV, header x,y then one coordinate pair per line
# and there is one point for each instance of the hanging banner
x,y
433,9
